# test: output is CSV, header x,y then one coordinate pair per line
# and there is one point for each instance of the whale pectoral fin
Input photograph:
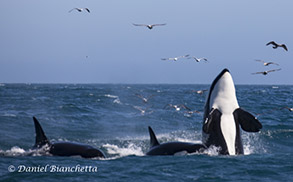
x,y
41,138
247,121
215,114
154,141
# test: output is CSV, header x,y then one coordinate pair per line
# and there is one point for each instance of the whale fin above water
x,y
153,141
41,138
247,121
172,148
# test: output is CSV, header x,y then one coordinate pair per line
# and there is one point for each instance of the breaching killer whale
x,y
171,148
64,148
223,116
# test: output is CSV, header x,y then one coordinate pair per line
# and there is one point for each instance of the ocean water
x,y
114,119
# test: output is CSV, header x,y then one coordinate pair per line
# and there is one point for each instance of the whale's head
x,y
222,94
223,116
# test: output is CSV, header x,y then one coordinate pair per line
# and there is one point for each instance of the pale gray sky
x,y
41,42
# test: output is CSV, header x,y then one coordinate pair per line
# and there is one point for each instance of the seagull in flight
x,y
266,63
175,58
288,108
266,72
199,59
151,26
178,107
144,99
143,111
192,112
200,91
275,45
80,10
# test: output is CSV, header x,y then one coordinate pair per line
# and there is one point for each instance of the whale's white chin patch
x,y
223,96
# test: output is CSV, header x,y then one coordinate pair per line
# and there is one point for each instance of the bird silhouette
x,y
175,58
199,59
151,26
266,63
266,72
199,91
275,45
80,9
288,108
178,107
144,99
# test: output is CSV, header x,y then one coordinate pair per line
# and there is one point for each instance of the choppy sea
x,y
114,119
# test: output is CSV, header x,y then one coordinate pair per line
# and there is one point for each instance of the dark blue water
x,y
109,117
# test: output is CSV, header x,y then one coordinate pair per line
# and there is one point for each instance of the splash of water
x,y
130,149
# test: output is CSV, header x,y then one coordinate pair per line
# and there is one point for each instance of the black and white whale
x,y
223,117
171,148
64,148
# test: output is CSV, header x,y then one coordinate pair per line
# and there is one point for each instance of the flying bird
x,y
143,111
288,108
190,113
199,91
266,63
275,45
80,9
266,72
144,99
178,107
149,26
175,58
199,59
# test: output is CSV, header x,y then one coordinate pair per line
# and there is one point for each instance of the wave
x,y
130,149
16,151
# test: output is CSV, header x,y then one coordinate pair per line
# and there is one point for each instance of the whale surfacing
x,y
171,148
64,148
223,116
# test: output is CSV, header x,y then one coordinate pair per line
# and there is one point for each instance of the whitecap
x,y
212,151
131,149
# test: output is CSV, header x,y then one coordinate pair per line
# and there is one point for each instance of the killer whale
x,y
171,148
64,148
223,117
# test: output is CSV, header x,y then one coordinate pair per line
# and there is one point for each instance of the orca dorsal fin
x,y
41,138
247,121
154,141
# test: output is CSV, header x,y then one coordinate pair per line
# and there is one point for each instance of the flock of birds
x,y
196,59
188,112
275,46
178,107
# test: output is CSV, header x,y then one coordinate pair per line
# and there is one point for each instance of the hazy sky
x,y
40,42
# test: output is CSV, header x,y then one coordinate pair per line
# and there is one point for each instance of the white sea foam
x,y
252,143
115,97
17,151
111,96
8,115
131,149
14,151
212,151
